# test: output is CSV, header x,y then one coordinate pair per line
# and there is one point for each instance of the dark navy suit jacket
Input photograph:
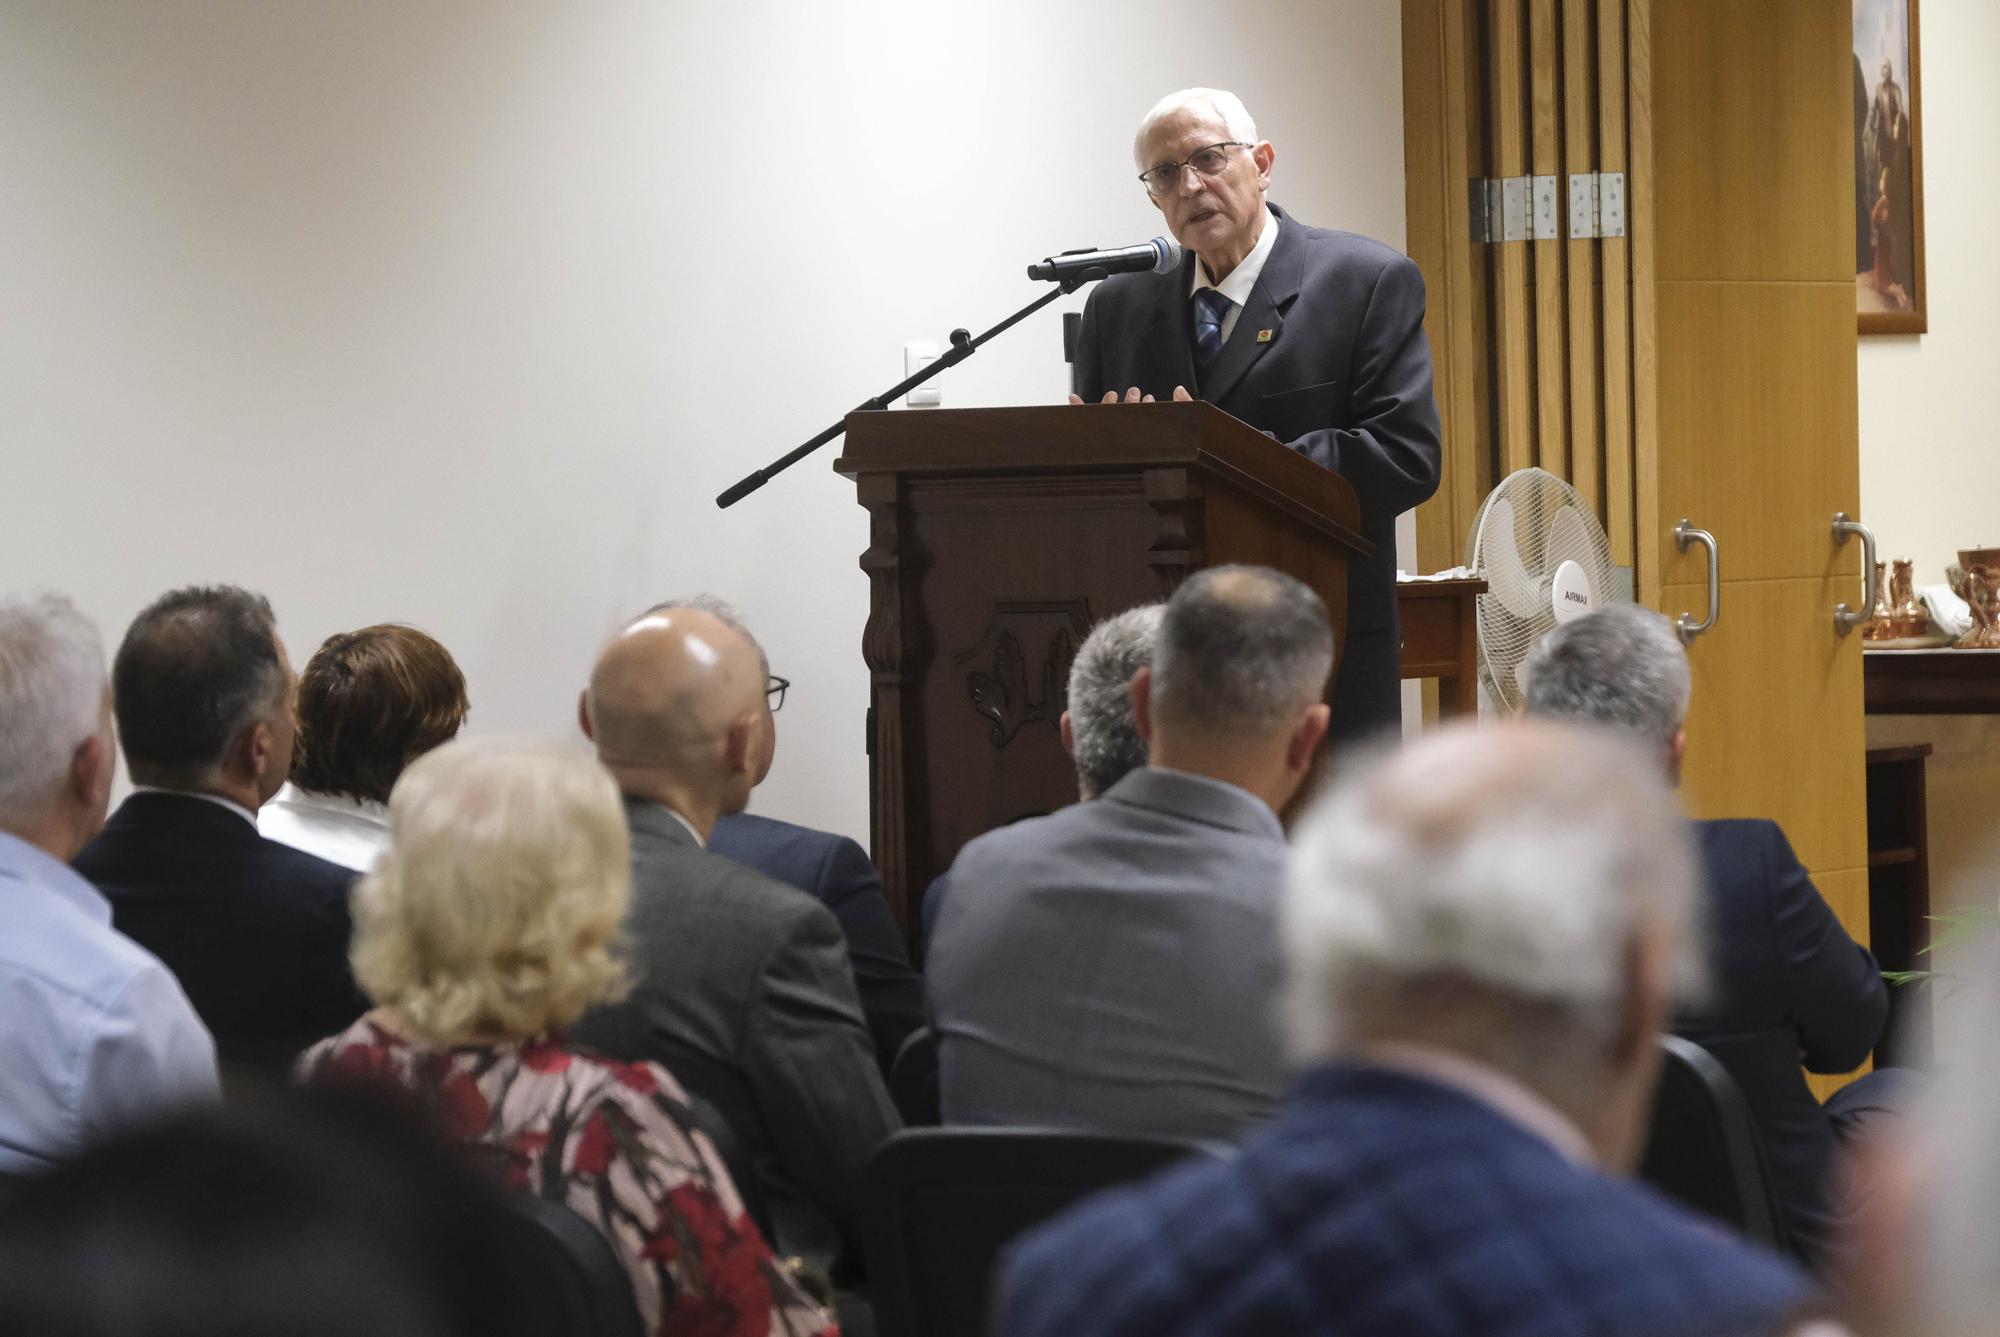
x,y
1790,987
1329,356
1379,1203
837,872
256,931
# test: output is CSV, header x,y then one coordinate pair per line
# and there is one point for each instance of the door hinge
x,y
1596,205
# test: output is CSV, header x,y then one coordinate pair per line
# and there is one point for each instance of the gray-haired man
x,y
1113,966
1791,985
95,1032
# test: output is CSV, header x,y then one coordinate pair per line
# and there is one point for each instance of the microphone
x,y
1162,255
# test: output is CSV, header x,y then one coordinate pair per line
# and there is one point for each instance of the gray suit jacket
x,y
742,990
1115,965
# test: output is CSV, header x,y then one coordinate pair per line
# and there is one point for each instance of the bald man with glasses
x,y
1311,336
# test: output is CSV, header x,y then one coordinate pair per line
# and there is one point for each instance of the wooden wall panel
x,y
1551,357
1764,82
1580,256
1615,274
1513,327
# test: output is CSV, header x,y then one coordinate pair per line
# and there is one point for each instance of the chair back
x,y
938,1205
913,1079
579,1288
1704,1149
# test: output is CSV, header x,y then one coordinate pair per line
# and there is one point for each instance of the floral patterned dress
x,y
616,1143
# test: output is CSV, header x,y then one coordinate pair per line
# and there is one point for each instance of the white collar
x,y
686,823
365,809
229,803
1490,1087
1243,278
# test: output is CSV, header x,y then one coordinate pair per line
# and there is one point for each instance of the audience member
x,y
370,702
487,928
306,1216
1484,936
1114,966
1097,727
832,869
1919,1251
255,931
94,1032
742,984
1790,985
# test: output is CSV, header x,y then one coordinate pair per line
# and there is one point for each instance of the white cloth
x,y
1242,278
351,832
689,825
1490,1087
228,805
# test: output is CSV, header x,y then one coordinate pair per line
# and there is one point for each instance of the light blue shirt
x,y
94,1032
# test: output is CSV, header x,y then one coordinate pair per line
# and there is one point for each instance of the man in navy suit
x,y
1315,337
1791,986
832,869
1485,936
255,931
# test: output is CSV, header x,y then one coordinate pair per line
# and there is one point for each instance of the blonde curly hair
x,y
495,911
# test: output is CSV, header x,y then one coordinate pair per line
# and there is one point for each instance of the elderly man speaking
x,y
1315,337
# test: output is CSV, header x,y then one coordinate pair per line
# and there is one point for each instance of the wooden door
x,y
1701,367
1747,415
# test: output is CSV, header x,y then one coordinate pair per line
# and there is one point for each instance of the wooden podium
x,y
997,538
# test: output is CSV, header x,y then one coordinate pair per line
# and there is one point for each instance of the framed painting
x,y
1889,288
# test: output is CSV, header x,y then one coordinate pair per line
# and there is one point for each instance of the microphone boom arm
x,y
962,347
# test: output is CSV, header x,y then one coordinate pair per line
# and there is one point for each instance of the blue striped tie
x,y
1210,306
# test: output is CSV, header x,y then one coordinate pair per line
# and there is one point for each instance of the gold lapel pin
x,y
1264,336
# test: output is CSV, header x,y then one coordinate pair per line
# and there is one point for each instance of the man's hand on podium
x,y
1132,396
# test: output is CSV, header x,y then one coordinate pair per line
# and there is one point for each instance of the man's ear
x,y
583,715
1142,703
739,746
90,771
1642,1008
1264,155
1068,735
253,750
1306,737
1677,747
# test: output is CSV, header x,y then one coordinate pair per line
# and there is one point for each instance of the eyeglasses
x,y
774,691
1209,162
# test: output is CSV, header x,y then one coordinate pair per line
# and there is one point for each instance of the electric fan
x,y
1545,560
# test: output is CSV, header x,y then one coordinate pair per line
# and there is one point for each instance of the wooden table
x,y
1930,682
1439,620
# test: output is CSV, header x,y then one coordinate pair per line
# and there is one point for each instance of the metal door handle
x,y
1685,534
1846,619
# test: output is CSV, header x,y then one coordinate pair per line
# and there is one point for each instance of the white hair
x,y
1223,104
1623,666
1520,858
52,693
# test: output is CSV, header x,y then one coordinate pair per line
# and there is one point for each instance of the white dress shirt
x,y
95,1033
1242,278
351,832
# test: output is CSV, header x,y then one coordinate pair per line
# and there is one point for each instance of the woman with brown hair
x,y
370,702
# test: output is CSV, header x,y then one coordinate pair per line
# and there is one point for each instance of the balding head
x,y
676,707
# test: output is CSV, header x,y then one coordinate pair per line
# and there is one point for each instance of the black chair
x,y
913,1079
579,1288
1704,1149
939,1204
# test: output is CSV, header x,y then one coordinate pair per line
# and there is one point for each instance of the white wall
x,y
1930,414
1930,404
461,313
